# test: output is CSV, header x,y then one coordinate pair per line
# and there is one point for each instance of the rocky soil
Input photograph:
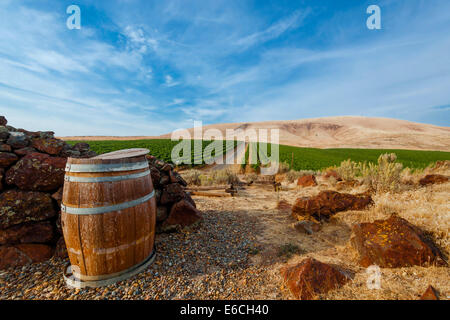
x,y
242,245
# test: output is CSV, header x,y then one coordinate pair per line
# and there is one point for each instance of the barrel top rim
x,y
122,154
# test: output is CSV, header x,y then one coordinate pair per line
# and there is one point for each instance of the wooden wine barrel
x,y
108,215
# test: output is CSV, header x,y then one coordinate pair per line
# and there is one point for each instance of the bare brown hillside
x,y
341,132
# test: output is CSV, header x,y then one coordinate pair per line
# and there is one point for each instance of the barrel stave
x,y
108,243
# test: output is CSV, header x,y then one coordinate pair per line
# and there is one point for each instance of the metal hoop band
x,y
74,282
99,210
106,167
106,179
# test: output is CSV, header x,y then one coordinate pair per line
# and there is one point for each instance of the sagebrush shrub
x,y
224,176
388,175
385,175
283,167
293,175
192,177
348,170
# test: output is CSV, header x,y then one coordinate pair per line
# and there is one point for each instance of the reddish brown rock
x,y
156,176
334,174
57,196
32,134
311,277
24,151
306,226
17,207
7,159
58,224
161,213
165,180
188,198
442,165
40,232
5,147
158,196
167,167
51,146
430,294
3,121
283,205
18,140
307,181
433,179
37,171
328,203
82,147
4,133
175,177
393,243
172,193
61,249
182,214
23,254
68,152
347,184
2,173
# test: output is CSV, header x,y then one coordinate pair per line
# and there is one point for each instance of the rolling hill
x,y
339,132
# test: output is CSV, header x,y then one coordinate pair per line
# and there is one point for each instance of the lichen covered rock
x,y
23,254
24,206
311,277
37,172
328,203
393,243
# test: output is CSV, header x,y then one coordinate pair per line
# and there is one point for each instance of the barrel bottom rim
x,y
73,282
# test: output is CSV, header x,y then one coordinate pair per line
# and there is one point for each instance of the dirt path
x,y
235,157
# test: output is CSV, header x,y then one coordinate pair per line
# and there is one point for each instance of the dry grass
x,y
192,177
384,176
425,207
292,175
215,177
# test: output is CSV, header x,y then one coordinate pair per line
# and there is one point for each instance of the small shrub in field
x,y
224,176
385,175
206,180
251,177
292,175
197,178
283,167
287,250
348,170
192,177
389,172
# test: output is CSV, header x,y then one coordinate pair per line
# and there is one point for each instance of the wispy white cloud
x,y
175,102
169,82
292,21
170,62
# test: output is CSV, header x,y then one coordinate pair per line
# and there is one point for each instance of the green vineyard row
x,y
297,158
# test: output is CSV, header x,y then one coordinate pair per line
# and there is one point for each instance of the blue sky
x,y
149,67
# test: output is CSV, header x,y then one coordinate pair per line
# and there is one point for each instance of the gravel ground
x,y
235,254
211,261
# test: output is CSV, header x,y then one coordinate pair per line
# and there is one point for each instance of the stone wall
x,y
32,172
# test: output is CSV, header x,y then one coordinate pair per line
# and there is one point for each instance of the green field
x,y
160,148
314,159
301,158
